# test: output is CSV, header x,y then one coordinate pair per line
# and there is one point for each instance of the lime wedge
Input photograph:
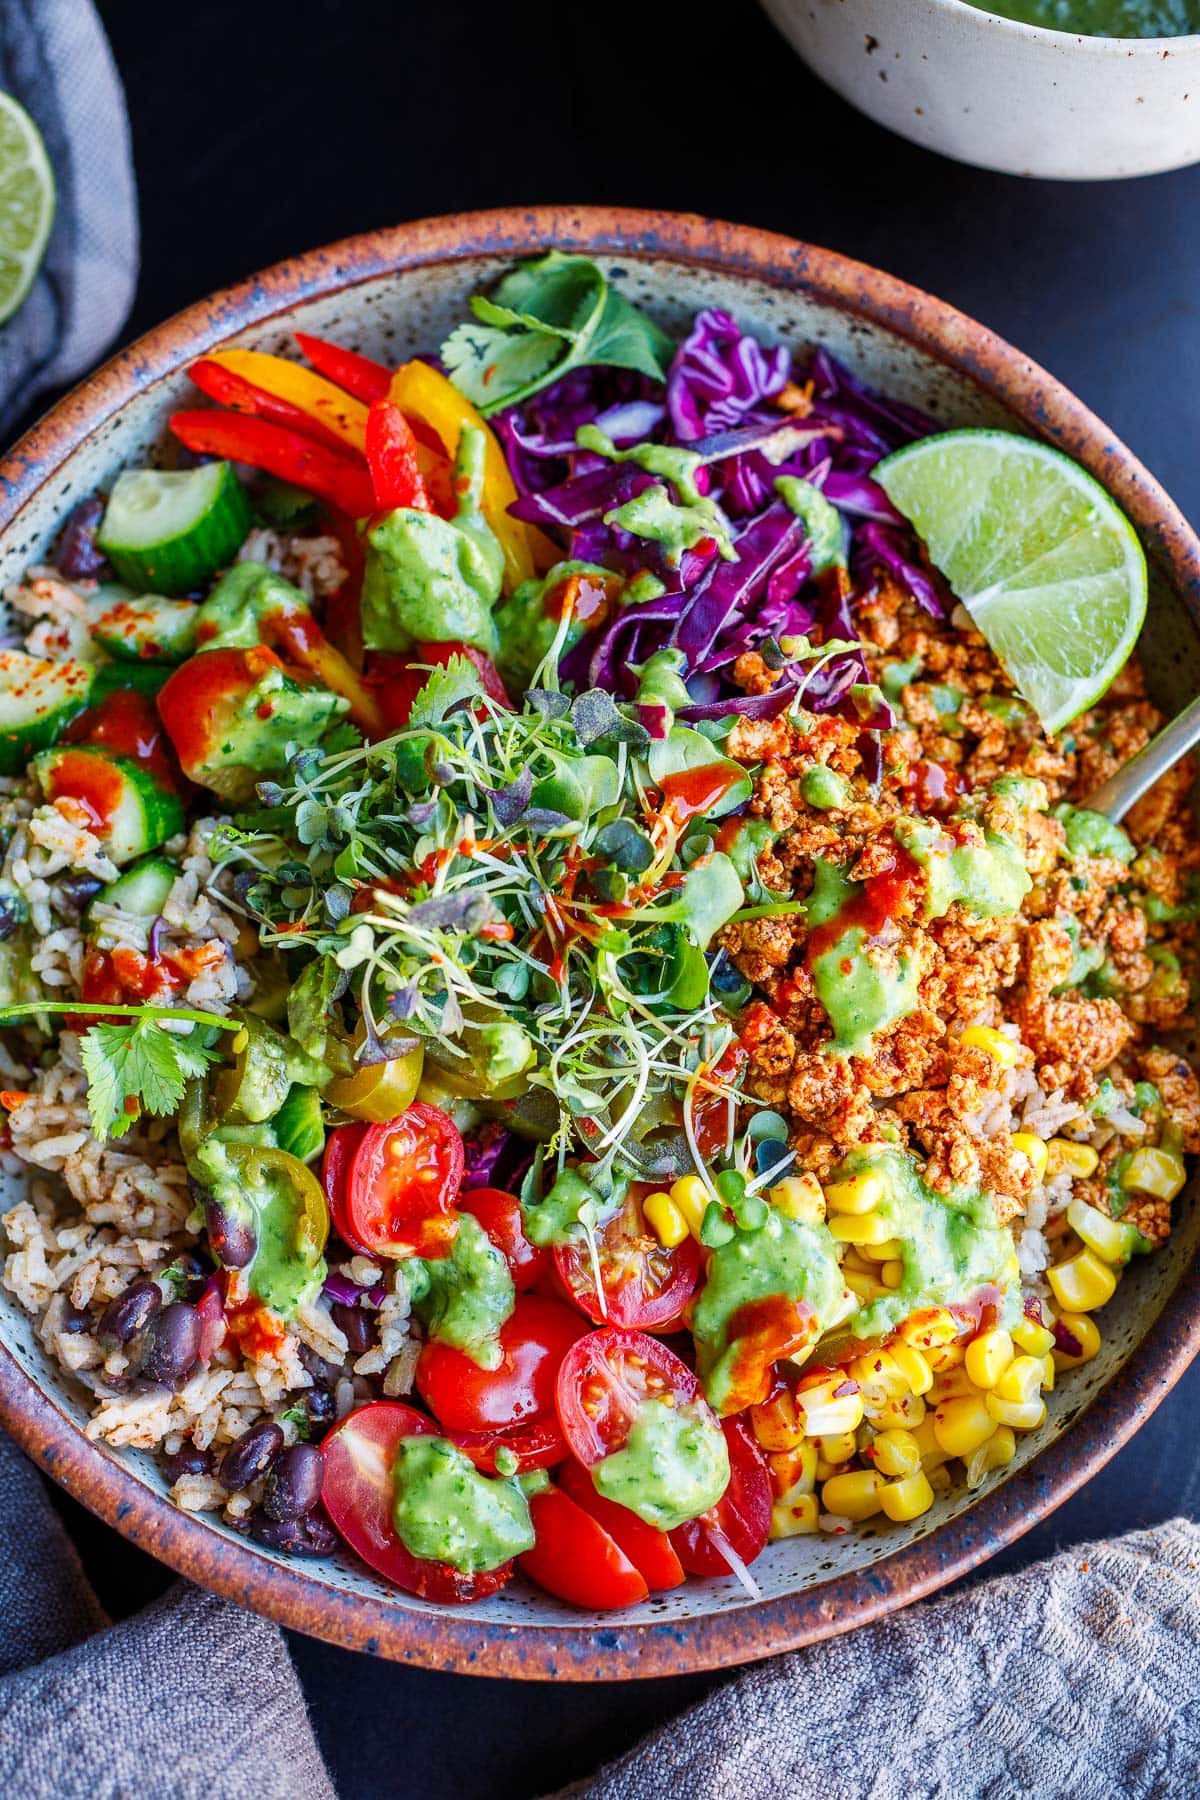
x,y
1049,568
26,203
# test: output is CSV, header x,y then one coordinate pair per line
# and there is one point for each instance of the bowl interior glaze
x,y
811,1585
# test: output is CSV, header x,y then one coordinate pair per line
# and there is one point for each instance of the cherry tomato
x,y
403,1184
602,1382
538,1445
741,1517
575,1558
358,1492
397,680
651,1552
340,1148
645,1287
500,1215
534,1341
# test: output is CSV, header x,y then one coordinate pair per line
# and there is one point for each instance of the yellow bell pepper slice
x,y
328,404
427,395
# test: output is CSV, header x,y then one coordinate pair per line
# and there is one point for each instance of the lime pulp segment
x,y
1046,563
26,203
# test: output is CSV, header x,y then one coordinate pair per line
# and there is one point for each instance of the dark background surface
x,y
264,128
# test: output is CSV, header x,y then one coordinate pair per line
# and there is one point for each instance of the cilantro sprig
x,y
554,313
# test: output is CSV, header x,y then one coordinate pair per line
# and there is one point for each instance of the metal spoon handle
x,y
1139,774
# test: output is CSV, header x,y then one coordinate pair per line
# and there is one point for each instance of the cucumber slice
x,y
168,530
141,890
126,807
140,628
298,1126
116,677
282,506
37,701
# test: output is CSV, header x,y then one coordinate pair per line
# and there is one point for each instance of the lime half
x,y
1047,565
26,203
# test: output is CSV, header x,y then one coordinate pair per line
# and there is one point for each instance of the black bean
x,y
172,1344
74,1319
358,1326
251,1456
321,1408
76,555
294,1484
311,1535
187,1460
325,1374
233,1240
13,914
131,1312
73,894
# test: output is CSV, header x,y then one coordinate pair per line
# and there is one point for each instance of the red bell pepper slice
x,y
392,460
228,388
366,380
331,475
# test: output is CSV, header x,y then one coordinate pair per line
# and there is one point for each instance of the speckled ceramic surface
x,y
388,294
987,90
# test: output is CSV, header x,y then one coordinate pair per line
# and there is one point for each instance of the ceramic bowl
x,y
989,91
389,294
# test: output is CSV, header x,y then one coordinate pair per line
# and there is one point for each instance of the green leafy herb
x,y
553,313
135,1067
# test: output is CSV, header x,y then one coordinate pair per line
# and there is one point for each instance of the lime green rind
x,y
27,204
1042,558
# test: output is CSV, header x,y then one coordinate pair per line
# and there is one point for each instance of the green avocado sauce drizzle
x,y
672,1467
445,1510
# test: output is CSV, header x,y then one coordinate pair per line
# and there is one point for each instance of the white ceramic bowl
x,y
989,91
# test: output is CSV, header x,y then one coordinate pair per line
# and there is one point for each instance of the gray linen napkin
x,y
193,1698
55,59
1078,1677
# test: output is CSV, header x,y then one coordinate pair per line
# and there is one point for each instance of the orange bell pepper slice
x,y
340,414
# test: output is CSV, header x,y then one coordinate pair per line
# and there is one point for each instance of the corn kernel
x,y
860,1228
1000,1048
1021,1380
857,1194
1086,1334
892,1273
1021,1415
826,1413
888,1251
1067,1158
838,1446
799,1197
962,1424
950,1384
1033,1338
996,1453
854,1495
1158,1172
1047,1363
987,1357
894,1414
1083,1282
913,1367
1107,1237
932,1454
879,1371
940,1478
691,1197
796,1519
794,1471
931,1328
945,1356
864,1287
665,1220
907,1499
1034,1148
777,1424
896,1453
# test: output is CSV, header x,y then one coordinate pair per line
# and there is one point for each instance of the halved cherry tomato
x,y
538,1445
645,1287
500,1215
357,1494
603,1382
651,1552
397,681
341,1147
741,1517
575,1558
403,1184
534,1341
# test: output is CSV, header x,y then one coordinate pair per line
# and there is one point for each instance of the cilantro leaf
x,y
446,688
551,314
133,1067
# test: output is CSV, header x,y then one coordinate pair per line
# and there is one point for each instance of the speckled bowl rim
x,y
591,1650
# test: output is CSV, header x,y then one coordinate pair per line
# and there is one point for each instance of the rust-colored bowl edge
x,y
589,1651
